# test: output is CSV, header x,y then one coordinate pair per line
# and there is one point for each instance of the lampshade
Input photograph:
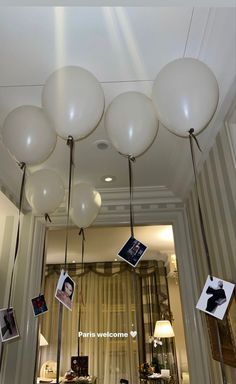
x,y
42,341
163,328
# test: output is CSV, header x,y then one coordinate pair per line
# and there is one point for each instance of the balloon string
x,y
136,312
43,260
81,233
81,299
22,167
41,290
1,355
191,138
59,337
131,160
131,214
70,143
222,366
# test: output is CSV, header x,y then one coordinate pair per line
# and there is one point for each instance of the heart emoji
x,y
133,333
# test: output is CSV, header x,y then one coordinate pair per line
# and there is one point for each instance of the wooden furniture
x,y
158,380
78,381
64,381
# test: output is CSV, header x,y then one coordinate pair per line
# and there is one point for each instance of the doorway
x,y
101,246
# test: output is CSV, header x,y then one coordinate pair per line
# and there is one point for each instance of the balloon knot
x,y
69,140
132,158
47,217
191,131
21,164
81,232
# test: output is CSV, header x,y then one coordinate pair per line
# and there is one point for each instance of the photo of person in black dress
x,y
8,327
132,251
218,297
215,297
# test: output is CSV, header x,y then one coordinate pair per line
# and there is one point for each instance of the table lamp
x,y
163,329
42,341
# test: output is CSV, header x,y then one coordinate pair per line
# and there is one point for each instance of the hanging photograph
x,y
215,297
8,327
39,305
65,290
132,251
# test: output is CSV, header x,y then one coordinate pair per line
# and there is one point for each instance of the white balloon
x,y
131,123
44,191
85,204
185,94
74,101
28,134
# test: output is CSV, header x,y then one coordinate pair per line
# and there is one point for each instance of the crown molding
x,y
147,203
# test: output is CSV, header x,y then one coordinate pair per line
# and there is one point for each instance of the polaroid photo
x,y
65,290
8,326
132,251
39,305
215,297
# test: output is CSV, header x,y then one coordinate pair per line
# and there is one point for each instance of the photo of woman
x,y
132,251
65,290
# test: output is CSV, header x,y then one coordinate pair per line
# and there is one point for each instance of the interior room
x,y
117,193
101,248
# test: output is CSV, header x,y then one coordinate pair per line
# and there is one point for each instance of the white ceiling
x,y
124,48
104,243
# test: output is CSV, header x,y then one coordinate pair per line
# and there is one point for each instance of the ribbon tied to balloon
x,y
131,125
73,100
186,94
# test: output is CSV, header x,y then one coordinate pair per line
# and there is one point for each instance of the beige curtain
x,y
108,307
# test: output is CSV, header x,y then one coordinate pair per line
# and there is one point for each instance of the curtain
x,y
154,305
104,301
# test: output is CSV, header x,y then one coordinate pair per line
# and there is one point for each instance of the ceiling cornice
x,y
147,203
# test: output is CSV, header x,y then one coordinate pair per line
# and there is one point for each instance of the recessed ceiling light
x,y
115,259
108,178
101,144
73,261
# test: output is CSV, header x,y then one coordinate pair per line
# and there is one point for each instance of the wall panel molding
x,y
217,190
